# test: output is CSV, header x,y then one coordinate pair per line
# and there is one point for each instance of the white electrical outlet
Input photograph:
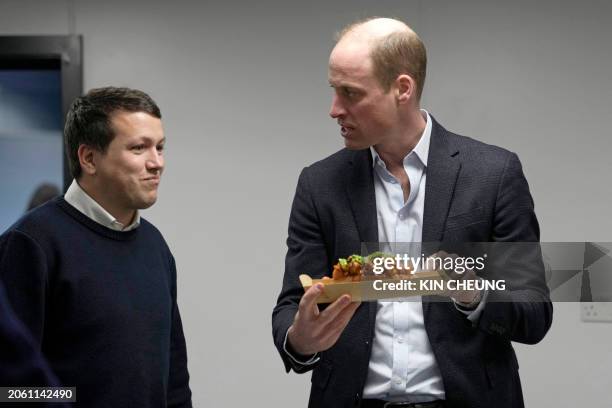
x,y
596,311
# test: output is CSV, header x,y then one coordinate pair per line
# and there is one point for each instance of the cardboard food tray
x,y
364,290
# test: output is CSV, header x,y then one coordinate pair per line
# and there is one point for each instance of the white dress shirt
x,y
402,365
79,199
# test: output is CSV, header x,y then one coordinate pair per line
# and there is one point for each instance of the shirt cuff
x,y
297,359
473,314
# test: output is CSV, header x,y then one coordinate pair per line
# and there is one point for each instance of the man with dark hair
x,y
93,281
404,178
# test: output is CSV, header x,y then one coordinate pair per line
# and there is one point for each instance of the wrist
x,y
295,348
469,300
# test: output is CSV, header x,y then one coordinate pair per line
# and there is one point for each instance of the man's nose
x,y
337,110
155,161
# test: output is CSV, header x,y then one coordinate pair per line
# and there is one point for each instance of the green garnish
x,y
356,258
378,254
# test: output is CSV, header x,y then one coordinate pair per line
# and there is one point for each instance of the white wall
x,y
243,90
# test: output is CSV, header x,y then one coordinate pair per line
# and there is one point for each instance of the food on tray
x,y
361,278
356,268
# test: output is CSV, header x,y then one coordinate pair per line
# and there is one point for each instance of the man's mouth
x,y
154,180
345,130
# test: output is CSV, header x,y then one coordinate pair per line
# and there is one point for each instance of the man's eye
x,y
160,148
138,148
349,93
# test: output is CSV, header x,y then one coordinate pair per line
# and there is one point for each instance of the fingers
x,y
342,318
308,303
470,274
440,254
334,329
445,271
313,331
330,313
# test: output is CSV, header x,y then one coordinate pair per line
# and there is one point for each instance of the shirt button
x,y
400,339
398,381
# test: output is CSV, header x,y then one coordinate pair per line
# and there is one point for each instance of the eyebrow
x,y
342,85
350,87
146,139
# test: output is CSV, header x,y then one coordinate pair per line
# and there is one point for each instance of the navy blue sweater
x,y
101,304
21,363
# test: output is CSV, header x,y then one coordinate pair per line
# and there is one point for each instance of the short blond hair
x,y
397,53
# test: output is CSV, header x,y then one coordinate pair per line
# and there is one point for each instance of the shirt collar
x,y
421,149
79,199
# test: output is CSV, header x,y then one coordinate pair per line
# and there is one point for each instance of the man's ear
x,y
87,160
405,88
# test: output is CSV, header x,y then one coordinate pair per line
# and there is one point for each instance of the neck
x,y
123,215
393,150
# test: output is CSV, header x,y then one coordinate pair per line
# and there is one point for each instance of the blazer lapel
x,y
362,199
442,170
360,194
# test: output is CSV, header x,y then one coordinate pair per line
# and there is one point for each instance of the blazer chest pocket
x,y
465,218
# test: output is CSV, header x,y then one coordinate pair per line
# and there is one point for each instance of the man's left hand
x,y
463,297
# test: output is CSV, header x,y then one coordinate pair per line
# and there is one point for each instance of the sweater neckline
x,y
94,226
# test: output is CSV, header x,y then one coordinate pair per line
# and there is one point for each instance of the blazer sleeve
x,y
306,254
179,393
523,312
